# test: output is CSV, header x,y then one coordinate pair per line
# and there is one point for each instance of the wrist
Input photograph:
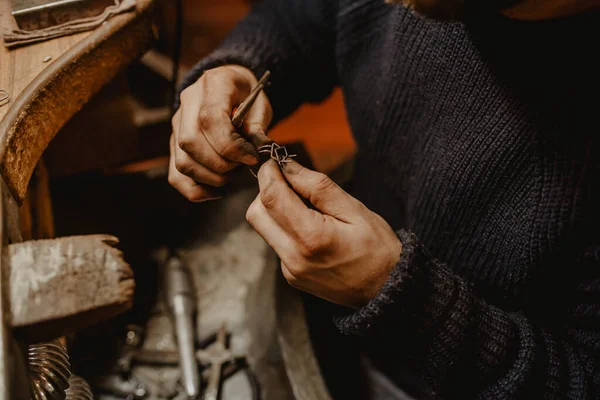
x,y
385,270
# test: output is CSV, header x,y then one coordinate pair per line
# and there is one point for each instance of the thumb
x,y
320,190
257,121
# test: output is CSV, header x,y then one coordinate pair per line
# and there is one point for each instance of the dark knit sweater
x,y
477,143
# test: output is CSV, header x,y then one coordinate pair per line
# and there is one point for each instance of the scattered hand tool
x,y
213,353
181,300
119,382
217,355
133,341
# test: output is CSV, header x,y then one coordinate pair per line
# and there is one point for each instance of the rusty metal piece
x,y
32,15
79,389
49,370
238,116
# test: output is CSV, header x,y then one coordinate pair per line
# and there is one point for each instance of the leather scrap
x,y
13,36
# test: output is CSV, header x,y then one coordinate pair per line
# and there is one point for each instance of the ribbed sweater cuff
x,y
434,310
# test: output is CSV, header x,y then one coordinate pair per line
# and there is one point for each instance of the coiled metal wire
x,y
49,370
79,389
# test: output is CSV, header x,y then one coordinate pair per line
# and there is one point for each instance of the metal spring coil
x,y
79,389
49,370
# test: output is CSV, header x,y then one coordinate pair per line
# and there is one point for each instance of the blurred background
x,y
132,131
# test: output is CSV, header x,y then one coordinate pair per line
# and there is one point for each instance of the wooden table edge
x,y
62,89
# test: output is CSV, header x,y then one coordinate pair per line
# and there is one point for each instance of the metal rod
x,y
182,305
242,110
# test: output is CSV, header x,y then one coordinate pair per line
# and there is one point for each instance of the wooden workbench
x,y
44,95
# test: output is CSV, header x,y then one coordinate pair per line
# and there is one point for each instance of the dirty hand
x,y
342,251
205,145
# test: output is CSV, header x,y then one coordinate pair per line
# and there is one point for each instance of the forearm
x,y
468,348
294,40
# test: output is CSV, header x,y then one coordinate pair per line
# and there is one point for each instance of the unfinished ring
x,y
275,152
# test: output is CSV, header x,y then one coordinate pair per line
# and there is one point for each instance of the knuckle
x,y
323,183
299,269
252,212
290,277
182,166
312,245
206,117
219,180
218,165
172,179
230,147
268,196
209,74
185,94
184,142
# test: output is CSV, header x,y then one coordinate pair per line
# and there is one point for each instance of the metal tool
x,y
114,384
211,348
133,342
120,382
180,298
242,110
32,15
79,389
217,355
49,370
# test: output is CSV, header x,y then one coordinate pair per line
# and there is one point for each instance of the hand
x,y
342,251
205,145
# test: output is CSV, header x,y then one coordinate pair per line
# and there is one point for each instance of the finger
x,y
197,172
192,141
289,277
320,190
257,121
216,95
284,205
186,185
271,232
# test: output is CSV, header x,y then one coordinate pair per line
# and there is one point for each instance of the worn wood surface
x,y
58,286
301,363
35,214
43,96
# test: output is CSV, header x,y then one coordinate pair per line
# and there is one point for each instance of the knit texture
x,y
477,143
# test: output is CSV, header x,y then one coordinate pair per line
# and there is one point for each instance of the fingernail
x,y
250,159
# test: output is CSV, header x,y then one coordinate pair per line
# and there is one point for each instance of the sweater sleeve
x,y
467,348
295,40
